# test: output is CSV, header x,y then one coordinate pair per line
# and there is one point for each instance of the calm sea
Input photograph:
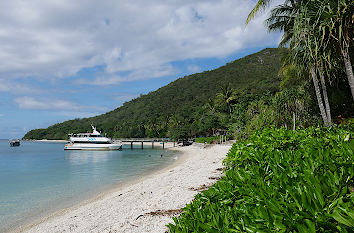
x,y
40,177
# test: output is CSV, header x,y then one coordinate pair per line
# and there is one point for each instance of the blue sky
x,y
64,59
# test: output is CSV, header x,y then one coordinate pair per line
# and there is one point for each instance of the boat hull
x,y
14,143
86,146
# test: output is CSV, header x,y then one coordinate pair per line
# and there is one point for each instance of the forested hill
x,y
179,108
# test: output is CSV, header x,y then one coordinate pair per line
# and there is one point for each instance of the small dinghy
x,y
15,142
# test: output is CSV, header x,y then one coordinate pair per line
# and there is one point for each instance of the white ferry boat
x,y
91,141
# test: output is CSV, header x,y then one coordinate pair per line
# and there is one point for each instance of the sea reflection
x,y
80,157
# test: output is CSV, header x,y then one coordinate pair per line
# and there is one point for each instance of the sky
x,y
64,59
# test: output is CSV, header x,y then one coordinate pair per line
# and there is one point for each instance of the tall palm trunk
x,y
348,69
325,96
319,97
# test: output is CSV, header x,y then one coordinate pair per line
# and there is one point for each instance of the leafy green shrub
x,y
350,123
280,181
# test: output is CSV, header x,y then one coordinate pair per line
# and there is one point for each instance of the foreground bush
x,y
280,181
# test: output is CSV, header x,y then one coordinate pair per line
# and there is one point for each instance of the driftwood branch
x,y
161,213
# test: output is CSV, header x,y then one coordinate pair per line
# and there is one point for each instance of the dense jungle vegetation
x,y
191,106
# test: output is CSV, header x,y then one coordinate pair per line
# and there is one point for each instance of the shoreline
x,y
126,208
66,205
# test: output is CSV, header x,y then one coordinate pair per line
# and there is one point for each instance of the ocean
x,y
38,178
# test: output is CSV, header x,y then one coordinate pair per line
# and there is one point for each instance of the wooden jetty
x,y
144,140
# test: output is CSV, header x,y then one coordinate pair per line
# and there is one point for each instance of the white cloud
x,y
137,74
27,102
1,115
193,68
12,86
57,38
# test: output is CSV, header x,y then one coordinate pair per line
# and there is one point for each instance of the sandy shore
x,y
137,207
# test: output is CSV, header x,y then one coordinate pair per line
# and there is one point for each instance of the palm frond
x,y
260,5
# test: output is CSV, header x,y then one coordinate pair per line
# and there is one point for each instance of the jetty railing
x,y
142,140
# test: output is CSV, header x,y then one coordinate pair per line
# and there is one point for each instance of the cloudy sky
x,y
64,59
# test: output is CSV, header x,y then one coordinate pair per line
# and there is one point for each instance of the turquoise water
x,y
40,177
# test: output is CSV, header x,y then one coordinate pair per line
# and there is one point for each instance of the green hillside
x,y
177,106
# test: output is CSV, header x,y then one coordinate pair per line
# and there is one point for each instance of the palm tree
x,y
337,19
282,19
210,105
260,5
226,96
319,34
296,19
308,51
337,22
263,4
326,27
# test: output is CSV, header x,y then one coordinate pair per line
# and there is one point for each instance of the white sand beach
x,y
146,205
